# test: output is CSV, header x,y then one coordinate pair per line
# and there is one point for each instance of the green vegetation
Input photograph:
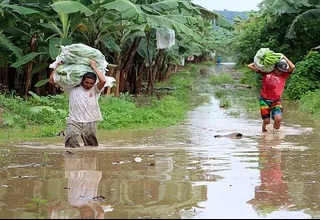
x,y
306,77
44,116
37,205
32,31
225,103
310,102
223,78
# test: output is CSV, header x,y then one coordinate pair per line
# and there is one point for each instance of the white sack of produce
x,y
265,59
70,75
80,54
76,62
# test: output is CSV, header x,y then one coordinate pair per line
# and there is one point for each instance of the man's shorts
x,y
270,106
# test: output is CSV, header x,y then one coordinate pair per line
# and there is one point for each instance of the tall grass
x,y
223,78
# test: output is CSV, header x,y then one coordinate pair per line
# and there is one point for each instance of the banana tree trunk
x,y
40,76
139,78
28,73
132,76
116,74
159,68
168,72
162,72
153,73
127,63
4,82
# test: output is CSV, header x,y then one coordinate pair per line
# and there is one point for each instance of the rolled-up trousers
x,y
87,131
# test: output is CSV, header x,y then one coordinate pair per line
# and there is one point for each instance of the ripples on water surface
x,y
182,172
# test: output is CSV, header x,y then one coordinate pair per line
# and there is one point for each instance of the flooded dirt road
x,y
177,172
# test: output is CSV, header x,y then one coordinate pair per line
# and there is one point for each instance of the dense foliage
x,y
306,77
270,31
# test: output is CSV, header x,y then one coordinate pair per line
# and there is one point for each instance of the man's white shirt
x,y
83,104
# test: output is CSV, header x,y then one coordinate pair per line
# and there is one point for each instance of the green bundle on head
x,y
76,62
270,58
265,59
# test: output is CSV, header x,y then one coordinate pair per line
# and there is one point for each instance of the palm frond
x,y
302,19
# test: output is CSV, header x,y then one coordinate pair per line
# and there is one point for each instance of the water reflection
x,y
83,183
153,188
272,193
163,168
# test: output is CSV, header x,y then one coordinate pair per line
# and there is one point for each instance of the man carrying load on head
x,y
273,84
84,110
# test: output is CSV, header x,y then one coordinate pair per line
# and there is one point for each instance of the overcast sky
x,y
231,5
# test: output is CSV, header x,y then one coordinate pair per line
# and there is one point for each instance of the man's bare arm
x,y
101,77
51,80
291,65
253,67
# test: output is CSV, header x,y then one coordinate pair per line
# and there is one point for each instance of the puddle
x,y
176,172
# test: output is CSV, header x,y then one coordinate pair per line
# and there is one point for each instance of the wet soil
x,y
176,172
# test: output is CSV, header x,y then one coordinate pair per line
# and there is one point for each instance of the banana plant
x,y
306,10
70,14
311,14
10,16
57,31
157,14
16,28
61,25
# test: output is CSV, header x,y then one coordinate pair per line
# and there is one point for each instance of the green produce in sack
x,y
265,59
76,62
68,76
80,54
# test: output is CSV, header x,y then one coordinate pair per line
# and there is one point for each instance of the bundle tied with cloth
x,y
266,60
75,60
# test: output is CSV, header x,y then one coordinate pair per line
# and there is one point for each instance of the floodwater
x,y
177,172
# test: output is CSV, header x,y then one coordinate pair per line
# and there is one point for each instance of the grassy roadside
x,y
45,116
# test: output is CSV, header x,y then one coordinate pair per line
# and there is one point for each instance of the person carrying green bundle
x,y
273,83
84,110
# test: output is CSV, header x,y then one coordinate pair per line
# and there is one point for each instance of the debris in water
x,y
122,162
150,164
69,153
21,177
99,198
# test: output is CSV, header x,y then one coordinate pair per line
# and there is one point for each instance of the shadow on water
x,y
176,172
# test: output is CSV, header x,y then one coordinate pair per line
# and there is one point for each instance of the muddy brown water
x,y
176,172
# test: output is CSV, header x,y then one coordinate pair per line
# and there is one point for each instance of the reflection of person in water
x,y
164,166
83,182
272,193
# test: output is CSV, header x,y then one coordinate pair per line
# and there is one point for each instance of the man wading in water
x,y
272,88
84,110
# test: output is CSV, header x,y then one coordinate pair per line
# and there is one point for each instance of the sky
x,y
231,5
